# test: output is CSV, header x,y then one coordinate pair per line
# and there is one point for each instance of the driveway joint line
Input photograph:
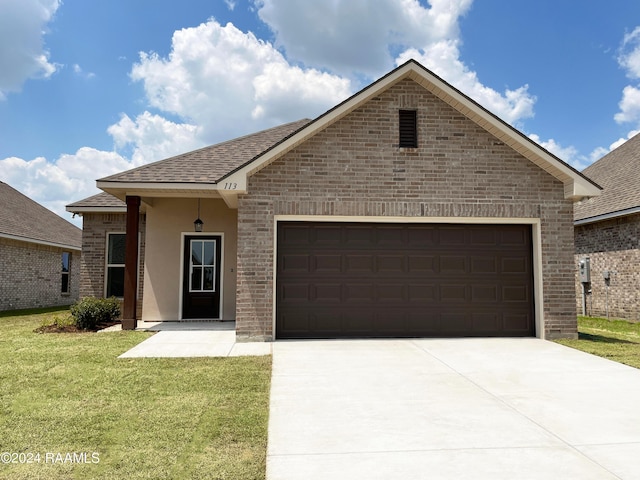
x,y
522,414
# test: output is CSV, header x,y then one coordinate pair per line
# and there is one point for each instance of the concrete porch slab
x,y
193,339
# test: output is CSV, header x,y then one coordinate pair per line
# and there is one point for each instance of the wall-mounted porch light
x,y
197,225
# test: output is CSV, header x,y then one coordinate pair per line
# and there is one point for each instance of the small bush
x,y
59,321
90,312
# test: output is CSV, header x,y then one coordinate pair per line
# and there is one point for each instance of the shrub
x,y
59,321
90,312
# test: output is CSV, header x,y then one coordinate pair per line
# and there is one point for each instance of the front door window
x,y
203,265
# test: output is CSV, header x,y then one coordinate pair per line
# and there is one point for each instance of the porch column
x,y
129,321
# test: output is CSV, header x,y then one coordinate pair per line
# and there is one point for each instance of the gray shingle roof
x,y
618,173
209,164
102,199
26,219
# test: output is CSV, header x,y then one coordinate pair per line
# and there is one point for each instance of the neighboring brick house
x,y
406,210
607,232
39,254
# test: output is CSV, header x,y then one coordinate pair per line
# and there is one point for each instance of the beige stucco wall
x,y
168,221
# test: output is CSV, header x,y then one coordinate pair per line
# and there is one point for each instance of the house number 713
x,y
230,186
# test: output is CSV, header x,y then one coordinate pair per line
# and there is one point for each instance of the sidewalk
x,y
194,339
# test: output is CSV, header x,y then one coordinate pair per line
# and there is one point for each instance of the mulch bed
x,y
71,328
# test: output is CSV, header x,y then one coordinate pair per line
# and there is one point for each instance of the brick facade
x,y
32,275
355,168
95,227
611,245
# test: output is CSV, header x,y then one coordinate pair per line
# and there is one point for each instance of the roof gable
x,y
619,174
222,170
24,219
576,185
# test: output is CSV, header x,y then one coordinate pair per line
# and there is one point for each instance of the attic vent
x,y
408,121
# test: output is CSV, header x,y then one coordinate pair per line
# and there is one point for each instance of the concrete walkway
x,y
450,409
194,339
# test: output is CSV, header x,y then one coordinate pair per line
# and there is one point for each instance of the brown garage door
x,y
403,280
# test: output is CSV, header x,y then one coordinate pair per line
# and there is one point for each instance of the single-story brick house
x,y
39,254
607,232
406,210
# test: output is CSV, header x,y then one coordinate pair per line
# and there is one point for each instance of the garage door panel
x,y
422,264
515,294
327,235
485,293
456,322
516,265
454,293
357,292
422,236
513,236
452,235
391,292
422,293
483,237
391,263
295,263
358,235
327,293
327,263
453,264
517,322
484,264
486,322
294,293
359,264
404,280
390,237
296,235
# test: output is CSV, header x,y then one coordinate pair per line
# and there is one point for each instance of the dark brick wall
x,y
95,227
32,275
355,168
612,245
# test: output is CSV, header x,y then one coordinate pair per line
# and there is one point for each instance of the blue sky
x,y
89,88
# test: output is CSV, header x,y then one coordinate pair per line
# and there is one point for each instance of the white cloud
x,y
77,69
152,137
629,60
629,105
55,184
355,37
228,82
568,154
23,23
443,58
231,5
629,54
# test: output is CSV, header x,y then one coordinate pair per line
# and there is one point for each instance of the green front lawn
x,y
144,418
616,340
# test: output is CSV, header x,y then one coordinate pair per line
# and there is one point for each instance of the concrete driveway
x,y
450,409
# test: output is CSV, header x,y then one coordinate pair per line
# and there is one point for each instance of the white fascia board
x,y
144,186
40,242
81,210
607,216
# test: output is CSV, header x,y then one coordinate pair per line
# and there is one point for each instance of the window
x,y
203,266
115,264
66,269
408,122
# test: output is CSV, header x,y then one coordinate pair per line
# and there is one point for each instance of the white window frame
x,y
67,274
202,267
106,261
